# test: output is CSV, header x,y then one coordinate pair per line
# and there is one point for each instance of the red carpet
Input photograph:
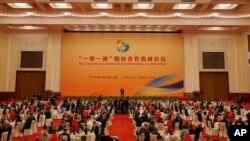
x,y
122,126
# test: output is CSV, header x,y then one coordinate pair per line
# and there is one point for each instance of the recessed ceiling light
x,y
158,26
106,25
104,13
60,5
26,27
20,5
141,14
225,6
127,26
215,14
148,26
66,13
143,6
217,28
117,25
184,6
102,5
29,13
178,14
138,26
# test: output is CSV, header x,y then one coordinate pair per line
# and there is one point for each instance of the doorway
x,y
29,83
214,85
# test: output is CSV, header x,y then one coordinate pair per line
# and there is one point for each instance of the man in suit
x,y
197,132
47,114
184,131
27,124
7,128
122,91
95,129
65,134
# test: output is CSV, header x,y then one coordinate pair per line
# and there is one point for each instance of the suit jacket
x,y
47,114
95,129
66,134
27,124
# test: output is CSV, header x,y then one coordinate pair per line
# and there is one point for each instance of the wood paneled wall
x,y
214,85
29,83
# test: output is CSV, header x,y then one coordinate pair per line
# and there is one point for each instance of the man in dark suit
x,y
7,128
197,132
28,122
65,134
122,91
47,114
95,129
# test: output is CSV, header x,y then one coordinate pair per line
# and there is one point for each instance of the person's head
x,y
44,127
141,136
159,138
83,138
60,137
52,123
240,119
94,123
37,139
184,126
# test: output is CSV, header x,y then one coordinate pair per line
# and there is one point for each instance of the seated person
x,y
239,122
65,134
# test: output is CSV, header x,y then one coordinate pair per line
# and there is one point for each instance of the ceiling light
x,y
184,6
225,6
29,13
104,13
217,28
172,28
143,6
60,5
20,5
141,14
178,14
66,13
26,27
102,5
215,14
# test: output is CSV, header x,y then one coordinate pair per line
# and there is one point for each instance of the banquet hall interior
x,y
127,70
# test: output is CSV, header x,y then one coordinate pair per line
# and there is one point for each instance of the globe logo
x,y
122,46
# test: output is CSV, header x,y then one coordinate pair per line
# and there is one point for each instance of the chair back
x,y
209,124
222,126
4,136
173,138
153,137
19,126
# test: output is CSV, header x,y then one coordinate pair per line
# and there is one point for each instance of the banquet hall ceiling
x,y
126,15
